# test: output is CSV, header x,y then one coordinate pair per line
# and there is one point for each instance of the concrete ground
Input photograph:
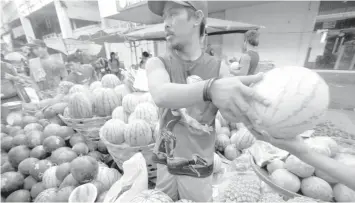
x,y
343,119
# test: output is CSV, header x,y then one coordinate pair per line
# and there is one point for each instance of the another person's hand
x,y
294,145
232,96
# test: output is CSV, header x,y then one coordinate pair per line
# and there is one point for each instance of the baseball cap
x,y
157,7
37,43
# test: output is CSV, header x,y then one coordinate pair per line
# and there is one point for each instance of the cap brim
x,y
31,45
157,7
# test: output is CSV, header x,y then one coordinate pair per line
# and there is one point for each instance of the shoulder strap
x,y
167,68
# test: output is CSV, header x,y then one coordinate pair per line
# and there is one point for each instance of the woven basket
x,y
88,127
121,153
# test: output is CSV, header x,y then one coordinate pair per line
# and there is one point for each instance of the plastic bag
x,y
133,181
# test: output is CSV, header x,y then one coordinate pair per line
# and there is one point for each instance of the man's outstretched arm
x,y
171,95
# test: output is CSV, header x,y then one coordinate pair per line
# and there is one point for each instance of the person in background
x,y
209,50
144,58
114,64
101,67
52,71
83,74
249,61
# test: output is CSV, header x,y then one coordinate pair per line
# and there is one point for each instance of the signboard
x,y
126,3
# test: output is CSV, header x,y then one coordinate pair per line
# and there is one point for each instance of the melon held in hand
x,y
299,99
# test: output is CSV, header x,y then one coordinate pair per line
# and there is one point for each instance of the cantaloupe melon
x,y
138,133
113,131
316,188
298,167
105,101
343,193
285,179
83,193
299,99
274,165
84,169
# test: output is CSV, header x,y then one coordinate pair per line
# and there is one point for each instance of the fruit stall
x,y
86,144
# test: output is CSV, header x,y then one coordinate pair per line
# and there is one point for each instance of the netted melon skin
x,y
138,133
271,197
105,101
80,106
243,189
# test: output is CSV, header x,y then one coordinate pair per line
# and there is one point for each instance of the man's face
x,y
75,67
179,27
40,51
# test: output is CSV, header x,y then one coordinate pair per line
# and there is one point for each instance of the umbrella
x,y
15,56
214,26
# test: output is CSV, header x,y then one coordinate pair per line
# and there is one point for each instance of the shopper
x,y
144,59
114,64
46,71
83,74
249,61
185,167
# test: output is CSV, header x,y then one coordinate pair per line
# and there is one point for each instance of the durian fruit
x,y
271,197
302,199
243,189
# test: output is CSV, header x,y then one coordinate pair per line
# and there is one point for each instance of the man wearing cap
x,y
49,72
184,84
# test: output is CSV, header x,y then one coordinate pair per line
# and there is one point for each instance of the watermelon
x,y
77,138
35,138
18,154
52,143
99,186
122,90
80,106
101,147
51,130
77,88
39,168
69,181
32,127
138,133
130,102
299,99
11,181
29,182
147,112
36,189
118,113
62,171
231,152
107,176
47,195
95,85
64,193
84,169
84,193
38,152
105,101
81,149
64,87
49,178
6,143
222,141
25,165
151,196
113,131
19,196
63,155
101,197
110,81
65,132
243,139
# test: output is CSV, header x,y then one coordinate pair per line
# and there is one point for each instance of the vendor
x,y
185,161
49,72
83,74
114,64
144,59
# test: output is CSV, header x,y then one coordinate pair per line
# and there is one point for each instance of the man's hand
x,y
232,97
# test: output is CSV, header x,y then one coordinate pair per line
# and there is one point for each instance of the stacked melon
x,y
296,176
232,138
44,160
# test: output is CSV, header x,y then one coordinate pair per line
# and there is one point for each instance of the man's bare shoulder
x,y
154,63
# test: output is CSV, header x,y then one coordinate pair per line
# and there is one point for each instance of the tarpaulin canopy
x,y
214,27
103,36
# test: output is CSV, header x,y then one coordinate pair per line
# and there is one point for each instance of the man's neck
x,y
44,56
251,48
190,51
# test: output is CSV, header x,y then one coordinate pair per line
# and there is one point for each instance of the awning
x,y
104,36
214,27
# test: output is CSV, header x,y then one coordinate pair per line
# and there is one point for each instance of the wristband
x,y
209,89
205,88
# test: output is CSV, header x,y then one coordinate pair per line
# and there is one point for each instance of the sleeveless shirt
x,y
254,61
190,141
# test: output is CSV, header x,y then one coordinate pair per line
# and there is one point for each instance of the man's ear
x,y
199,17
